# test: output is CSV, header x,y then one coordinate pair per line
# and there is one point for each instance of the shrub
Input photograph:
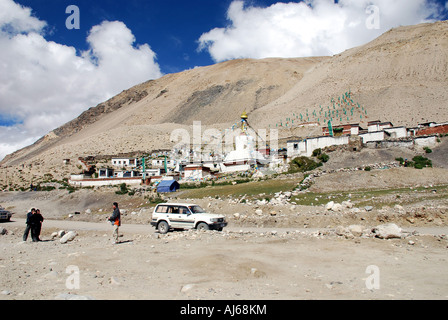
x,y
123,189
303,164
317,152
156,199
427,150
418,166
421,162
324,157
194,185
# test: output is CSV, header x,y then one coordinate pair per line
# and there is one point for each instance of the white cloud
x,y
310,28
17,18
46,84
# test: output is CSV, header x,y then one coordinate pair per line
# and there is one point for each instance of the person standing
x,y
36,225
28,224
115,219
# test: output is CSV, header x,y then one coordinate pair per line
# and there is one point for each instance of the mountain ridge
x,y
398,77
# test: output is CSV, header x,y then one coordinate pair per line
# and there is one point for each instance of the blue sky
x,y
50,74
171,27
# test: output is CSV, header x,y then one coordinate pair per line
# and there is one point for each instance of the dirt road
x,y
149,230
234,265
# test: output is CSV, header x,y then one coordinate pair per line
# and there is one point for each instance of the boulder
x,y
337,207
356,230
347,204
387,231
341,231
355,210
399,209
70,236
329,205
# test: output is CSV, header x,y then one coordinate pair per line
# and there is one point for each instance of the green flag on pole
x,y
330,128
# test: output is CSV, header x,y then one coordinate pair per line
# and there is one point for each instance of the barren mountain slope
x,y
141,118
399,77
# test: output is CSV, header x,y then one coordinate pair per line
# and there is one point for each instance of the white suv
x,y
168,216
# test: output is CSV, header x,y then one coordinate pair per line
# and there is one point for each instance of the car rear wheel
x,y
163,227
203,226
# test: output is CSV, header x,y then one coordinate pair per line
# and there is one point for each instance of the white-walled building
x,y
125,162
372,136
374,126
127,174
298,148
196,172
397,132
428,141
105,173
155,172
160,163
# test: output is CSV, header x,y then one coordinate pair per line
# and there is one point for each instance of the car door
x,y
175,221
186,219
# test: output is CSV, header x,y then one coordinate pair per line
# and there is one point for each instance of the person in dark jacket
x,y
28,224
36,225
115,219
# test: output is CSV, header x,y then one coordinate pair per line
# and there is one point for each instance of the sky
x,y
56,62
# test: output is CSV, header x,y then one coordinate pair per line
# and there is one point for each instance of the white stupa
x,y
245,156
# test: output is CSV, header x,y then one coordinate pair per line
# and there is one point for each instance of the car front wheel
x,y
203,226
163,227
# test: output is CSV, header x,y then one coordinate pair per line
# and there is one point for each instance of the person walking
x,y
28,224
36,225
115,219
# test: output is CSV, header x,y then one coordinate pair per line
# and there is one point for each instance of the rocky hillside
x,y
399,77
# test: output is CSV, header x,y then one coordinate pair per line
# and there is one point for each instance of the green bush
x,y
418,166
194,185
303,164
324,157
427,150
123,189
421,162
418,162
317,152
156,199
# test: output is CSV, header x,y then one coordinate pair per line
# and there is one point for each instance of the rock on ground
x,y
388,231
70,236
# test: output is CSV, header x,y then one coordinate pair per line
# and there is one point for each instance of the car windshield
x,y
196,209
